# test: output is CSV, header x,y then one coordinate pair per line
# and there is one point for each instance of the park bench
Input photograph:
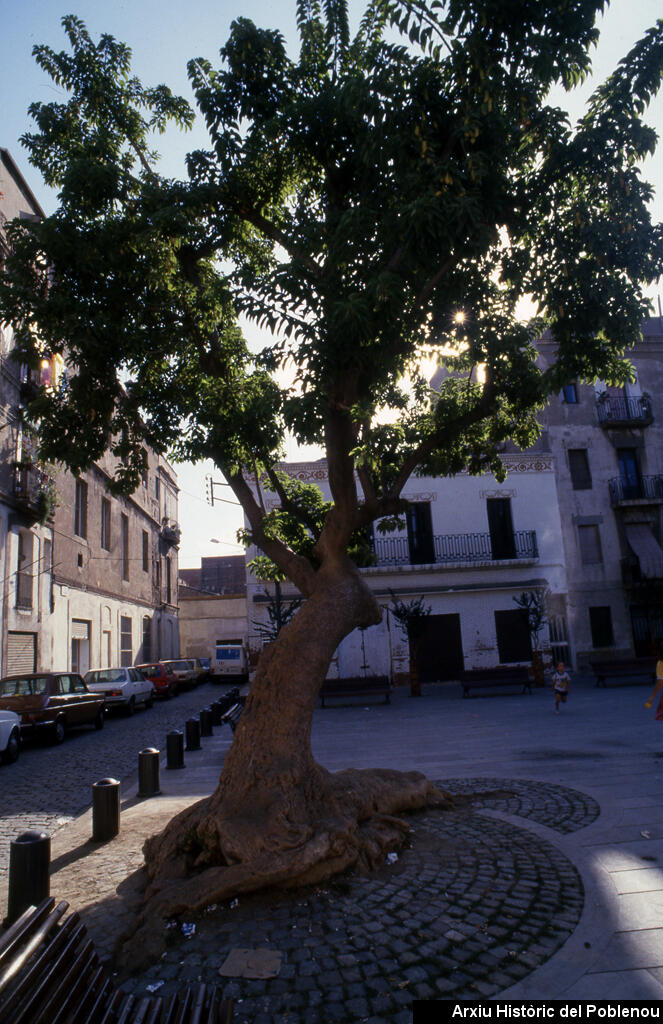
x,y
357,686
50,973
625,668
228,700
232,716
490,678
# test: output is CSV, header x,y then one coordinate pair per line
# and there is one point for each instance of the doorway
x,y
440,649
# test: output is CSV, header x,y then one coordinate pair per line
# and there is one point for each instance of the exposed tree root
x,y
209,854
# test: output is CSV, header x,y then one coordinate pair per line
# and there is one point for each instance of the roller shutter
x,y
21,653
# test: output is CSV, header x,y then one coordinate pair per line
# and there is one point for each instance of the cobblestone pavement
x,y
471,907
49,785
562,809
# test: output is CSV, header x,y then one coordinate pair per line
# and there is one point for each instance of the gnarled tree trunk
x,y
278,817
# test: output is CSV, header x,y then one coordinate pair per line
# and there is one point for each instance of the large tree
x,y
373,198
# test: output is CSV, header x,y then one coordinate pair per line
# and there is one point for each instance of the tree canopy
x,y
372,198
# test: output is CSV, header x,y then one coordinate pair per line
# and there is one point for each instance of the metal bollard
x,y
217,711
105,810
206,722
29,880
148,772
192,730
175,749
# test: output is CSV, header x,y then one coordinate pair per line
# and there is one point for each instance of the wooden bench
x,y
624,668
490,678
232,716
357,686
50,973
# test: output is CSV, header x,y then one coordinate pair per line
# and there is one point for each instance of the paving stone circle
x,y
473,905
560,808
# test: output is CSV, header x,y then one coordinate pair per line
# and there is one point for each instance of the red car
x,y
165,683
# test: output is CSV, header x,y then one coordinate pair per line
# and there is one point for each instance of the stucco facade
x,y
462,568
89,579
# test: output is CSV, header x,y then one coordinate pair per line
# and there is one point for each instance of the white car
x,y
121,687
10,736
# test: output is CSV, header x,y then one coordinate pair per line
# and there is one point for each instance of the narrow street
x,y
49,785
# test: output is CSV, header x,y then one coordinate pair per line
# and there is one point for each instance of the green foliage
x,y
350,201
410,615
533,604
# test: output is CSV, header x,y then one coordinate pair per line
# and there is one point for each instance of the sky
x,y
164,35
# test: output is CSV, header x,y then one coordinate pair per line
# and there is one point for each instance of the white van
x,y
229,662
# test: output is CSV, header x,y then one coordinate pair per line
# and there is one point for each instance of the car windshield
x,y
23,687
105,675
150,670
204,662
177,666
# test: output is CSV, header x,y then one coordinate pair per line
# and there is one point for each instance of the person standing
x,y
561,684
657,687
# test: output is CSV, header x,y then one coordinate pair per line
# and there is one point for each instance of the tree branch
x,y
298,568
254,217
289,506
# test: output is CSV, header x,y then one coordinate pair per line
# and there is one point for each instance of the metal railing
x,y
457,547
633,411
648,488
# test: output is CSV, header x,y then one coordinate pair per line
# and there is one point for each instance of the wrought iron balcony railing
x,y
458,547
647,488
614,411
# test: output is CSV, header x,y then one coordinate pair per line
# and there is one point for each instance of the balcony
x,y
170,532
452,548
34,493
614,411
646,489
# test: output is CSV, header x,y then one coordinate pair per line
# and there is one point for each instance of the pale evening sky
x,y
164,35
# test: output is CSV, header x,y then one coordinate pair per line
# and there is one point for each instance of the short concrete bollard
x,y
175,749
29,879
192,731
148,772
105,810
206,722
217,711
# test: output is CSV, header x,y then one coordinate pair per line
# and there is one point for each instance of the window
x,y
157,487
168,593
570,394
125,547
24,575
581,478
629,473
513,639
80,509
420,533
147,639
126,646
105,524
146,552
600,622
500,525
157,572
589,539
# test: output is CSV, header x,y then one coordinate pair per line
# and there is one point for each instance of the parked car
x,y
121,687
165,683
51,702
229,663
184,671
10,736
202,667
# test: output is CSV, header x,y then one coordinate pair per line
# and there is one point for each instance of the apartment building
x,y
88,579
467,547
607,445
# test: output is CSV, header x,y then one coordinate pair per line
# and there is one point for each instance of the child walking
x,y
561,684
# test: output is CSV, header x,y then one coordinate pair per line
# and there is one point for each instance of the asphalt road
x,y
49,785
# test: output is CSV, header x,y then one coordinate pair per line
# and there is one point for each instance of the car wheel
x,y
131,706
13,748
58,731
149,701
99,720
